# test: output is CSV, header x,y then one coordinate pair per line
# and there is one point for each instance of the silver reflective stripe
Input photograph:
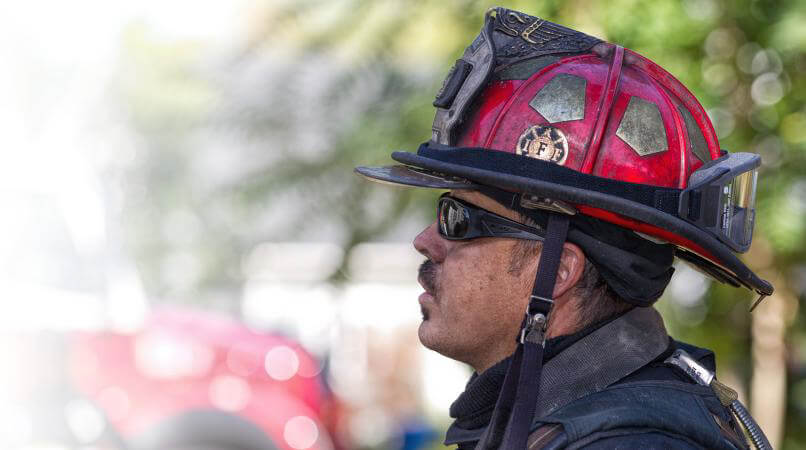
x,y
561,99
696,139
642,128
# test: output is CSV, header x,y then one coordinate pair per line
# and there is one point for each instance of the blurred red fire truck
x,y
186,380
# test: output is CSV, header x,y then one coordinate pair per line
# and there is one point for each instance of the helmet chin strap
x,y
511,421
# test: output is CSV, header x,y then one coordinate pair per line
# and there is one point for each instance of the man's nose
x,y
430,244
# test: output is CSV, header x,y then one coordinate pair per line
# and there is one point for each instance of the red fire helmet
x,y
583,126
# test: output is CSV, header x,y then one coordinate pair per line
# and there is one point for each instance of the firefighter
x,y
576,171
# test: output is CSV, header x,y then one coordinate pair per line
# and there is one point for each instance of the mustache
x,y
427,275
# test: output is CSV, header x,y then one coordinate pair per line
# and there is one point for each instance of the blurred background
x,y
188,262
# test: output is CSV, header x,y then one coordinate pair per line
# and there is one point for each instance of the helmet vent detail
x,y
695,138
642,128
561,99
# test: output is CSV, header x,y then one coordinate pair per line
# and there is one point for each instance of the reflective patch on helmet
x,y
561,99
696,139
543,142
642,128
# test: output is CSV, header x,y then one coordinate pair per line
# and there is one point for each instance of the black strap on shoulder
x,y
518,399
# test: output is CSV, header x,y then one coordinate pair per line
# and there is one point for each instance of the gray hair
x,y
596,300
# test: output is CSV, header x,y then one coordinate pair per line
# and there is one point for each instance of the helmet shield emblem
x,y
543,142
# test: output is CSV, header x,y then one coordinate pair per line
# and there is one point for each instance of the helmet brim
x,y
421,171
402,175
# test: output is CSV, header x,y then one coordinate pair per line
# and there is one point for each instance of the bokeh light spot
x,y
115,403
84,420
723,121
745,56
230,393
702,10
281,363
720,78
720,44
300,432
767,89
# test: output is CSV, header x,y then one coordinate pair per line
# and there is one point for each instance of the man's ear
x,y
572,265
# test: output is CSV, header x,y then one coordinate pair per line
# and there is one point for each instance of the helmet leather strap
x,y
510,423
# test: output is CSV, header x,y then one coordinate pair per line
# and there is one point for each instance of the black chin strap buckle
x,y
536,321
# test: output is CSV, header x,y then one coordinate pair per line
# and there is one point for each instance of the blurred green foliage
x,y
258,142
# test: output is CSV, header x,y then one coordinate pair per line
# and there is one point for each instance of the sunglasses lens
x,y
454,219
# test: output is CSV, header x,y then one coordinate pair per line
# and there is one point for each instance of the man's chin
x,y
426,333
432,339
430,336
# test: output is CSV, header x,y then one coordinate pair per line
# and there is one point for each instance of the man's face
x,y
473,304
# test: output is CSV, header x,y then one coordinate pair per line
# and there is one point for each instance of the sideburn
x,y
523,253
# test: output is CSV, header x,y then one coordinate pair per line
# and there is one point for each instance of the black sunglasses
x,y
459,220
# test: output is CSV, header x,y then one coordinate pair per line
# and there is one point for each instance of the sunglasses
x,y
459,220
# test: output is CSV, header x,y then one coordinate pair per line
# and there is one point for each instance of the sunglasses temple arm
x,y
512,229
